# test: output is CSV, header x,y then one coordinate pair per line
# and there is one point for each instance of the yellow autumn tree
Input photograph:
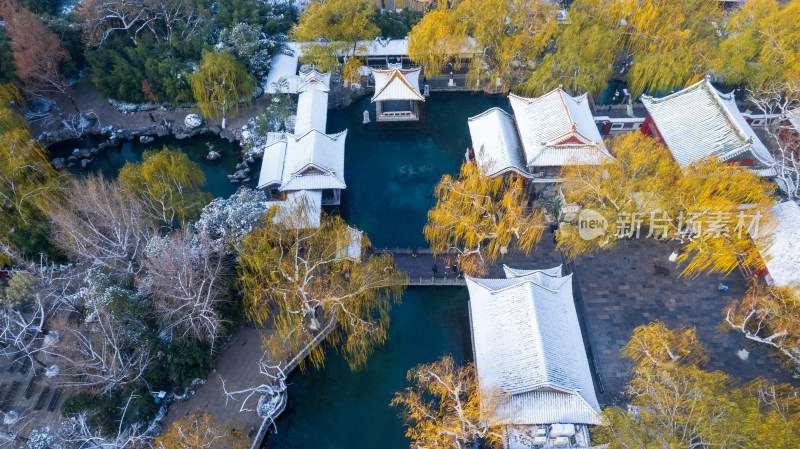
x,y
26,177
770,316
762,46
446,408
315,282
504,39
334,29
169,184
655,45
199,431
676,403
479,218
220,84
716,210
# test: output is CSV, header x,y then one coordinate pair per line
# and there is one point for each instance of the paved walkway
x,y
238,365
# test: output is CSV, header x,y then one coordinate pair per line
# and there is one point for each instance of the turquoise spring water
x,y
110,161
336,408
392,168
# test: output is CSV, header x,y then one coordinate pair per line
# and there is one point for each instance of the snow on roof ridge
x,y
486,112
527,279
397,73
334,137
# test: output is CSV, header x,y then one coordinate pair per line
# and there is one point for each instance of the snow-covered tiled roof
x,y
699,121
518,273
527,341
282,74
313,161
783,256
397,84
308,202
557,129
496,143
312,104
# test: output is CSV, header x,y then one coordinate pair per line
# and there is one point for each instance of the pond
x,y
110,161
392,168
337,408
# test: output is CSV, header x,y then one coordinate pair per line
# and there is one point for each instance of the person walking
x,y
435,269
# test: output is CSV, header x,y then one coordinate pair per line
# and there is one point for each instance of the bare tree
x,y
186,275
782,100
98,222
98,357
75,432
36,292
100,18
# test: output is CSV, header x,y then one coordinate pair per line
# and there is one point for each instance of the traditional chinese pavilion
x,y
699,121
397,93
308,163
527,341
557,129
543,135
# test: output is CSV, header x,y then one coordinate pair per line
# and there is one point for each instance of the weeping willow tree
x,y
717,210
762,46
312,283
333,29
169,185
26,177
479,218
220,84
503,38
446,407
677,403
656,45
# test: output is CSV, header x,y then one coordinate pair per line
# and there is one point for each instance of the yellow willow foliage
x,y
26,176
762,46
663,44
769,316
508,37
199,431
715,191
333,29
481,218
656,345
220,84
298,280
446,408
678,404
703,205
169,184
635,182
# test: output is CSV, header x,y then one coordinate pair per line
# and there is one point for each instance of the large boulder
x,y
192,121
146,139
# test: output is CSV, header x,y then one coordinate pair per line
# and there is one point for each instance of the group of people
x,y
453,269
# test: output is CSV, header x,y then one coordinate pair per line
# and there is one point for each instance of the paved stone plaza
x,y
621,290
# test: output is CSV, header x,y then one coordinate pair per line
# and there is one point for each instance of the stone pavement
x,y
238,366
620,290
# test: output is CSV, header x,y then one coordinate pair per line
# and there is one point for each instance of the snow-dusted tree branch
x,y
186,275
98,222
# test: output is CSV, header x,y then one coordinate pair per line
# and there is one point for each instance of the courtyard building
x,y
397,94
699,121
544,134
527,341
782,258
306,167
